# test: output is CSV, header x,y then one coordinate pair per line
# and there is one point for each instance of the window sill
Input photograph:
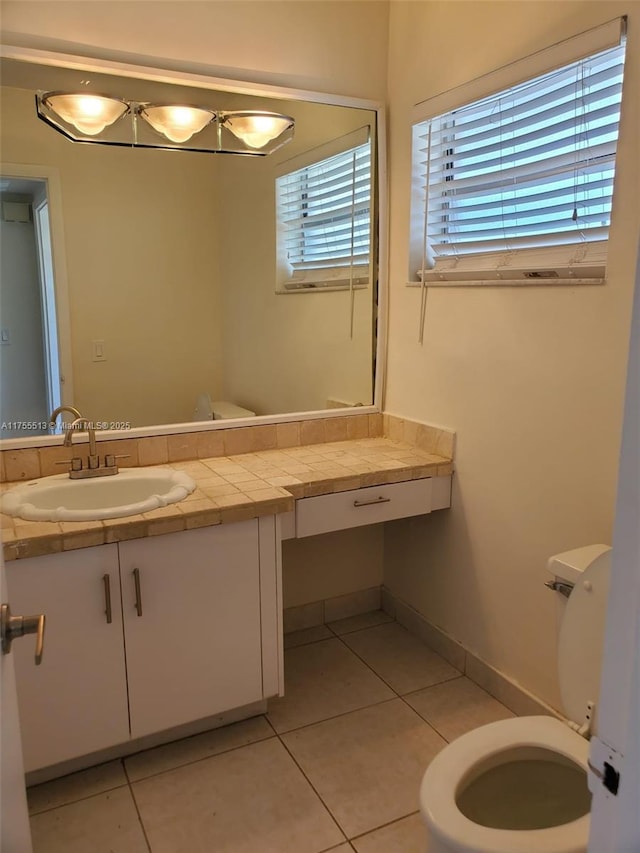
x,y
508,282
311,287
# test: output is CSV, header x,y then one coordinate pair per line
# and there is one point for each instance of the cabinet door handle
x,y
378,500
106,580
136,580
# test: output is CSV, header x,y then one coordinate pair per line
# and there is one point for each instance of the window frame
x,y
589,264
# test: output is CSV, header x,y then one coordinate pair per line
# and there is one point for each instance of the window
x,y
324,218
518,185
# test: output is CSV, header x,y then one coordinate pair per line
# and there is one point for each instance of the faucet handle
x,y
110,459
76,463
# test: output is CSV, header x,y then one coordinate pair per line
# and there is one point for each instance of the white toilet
x,y
218,410
520,785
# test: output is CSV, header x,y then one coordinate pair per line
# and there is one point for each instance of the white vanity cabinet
x,y
195,631
191,609
75,702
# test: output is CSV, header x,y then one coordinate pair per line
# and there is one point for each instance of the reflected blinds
x,y
324,216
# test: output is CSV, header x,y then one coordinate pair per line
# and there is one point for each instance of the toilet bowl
x,y
520,785
218,410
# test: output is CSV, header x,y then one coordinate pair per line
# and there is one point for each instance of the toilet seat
x,y
447,771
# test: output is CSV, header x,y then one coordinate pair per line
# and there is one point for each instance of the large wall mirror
x,y
137,284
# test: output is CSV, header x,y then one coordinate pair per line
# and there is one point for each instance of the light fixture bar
x,y
107,120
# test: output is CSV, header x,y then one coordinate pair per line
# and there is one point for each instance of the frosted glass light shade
x,y
87,112
178,123
256,129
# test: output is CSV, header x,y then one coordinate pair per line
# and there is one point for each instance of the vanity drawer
x,y
362,506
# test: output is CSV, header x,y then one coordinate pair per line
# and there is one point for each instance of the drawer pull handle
x,y
136,580
106,580
378,500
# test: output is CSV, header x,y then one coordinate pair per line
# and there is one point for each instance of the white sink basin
x,y
128,492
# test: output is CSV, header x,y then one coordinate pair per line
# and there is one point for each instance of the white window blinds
x,y
519,185
324,220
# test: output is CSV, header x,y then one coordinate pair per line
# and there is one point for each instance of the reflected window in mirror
x,y
324,216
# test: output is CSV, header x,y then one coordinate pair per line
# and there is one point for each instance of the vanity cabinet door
x,y
191,605
75,702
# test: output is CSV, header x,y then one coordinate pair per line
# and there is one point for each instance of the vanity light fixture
x,y
175,121
256,128
89,117
90,113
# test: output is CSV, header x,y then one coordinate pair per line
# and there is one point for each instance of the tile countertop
x,y
235,488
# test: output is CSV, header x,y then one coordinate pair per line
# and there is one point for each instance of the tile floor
x,y
334,766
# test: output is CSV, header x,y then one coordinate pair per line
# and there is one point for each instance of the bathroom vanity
x,y
146,635
175,616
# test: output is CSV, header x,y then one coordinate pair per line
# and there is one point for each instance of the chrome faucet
x,y
82,423
94,468
56,412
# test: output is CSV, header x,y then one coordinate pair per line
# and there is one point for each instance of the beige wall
x,y
321,46
334,564
532,379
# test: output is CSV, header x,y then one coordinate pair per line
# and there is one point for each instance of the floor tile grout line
x,y
409,692
390,686
402,695
78,800
315,791
364,627
333,632
338,846
424,720
384,825
140,820
130,781
368,665
204,757
81,798
337,716
436,684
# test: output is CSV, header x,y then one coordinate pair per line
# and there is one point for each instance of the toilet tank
x,y
223,409
569,565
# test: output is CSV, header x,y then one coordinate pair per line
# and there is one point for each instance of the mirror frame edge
x,y
199,80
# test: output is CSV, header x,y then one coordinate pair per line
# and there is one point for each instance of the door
x,y
15,836
191,605
615,820
76,702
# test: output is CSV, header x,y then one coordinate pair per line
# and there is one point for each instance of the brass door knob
x,y
12,627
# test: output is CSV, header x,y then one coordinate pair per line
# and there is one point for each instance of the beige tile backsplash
x,y
30,463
